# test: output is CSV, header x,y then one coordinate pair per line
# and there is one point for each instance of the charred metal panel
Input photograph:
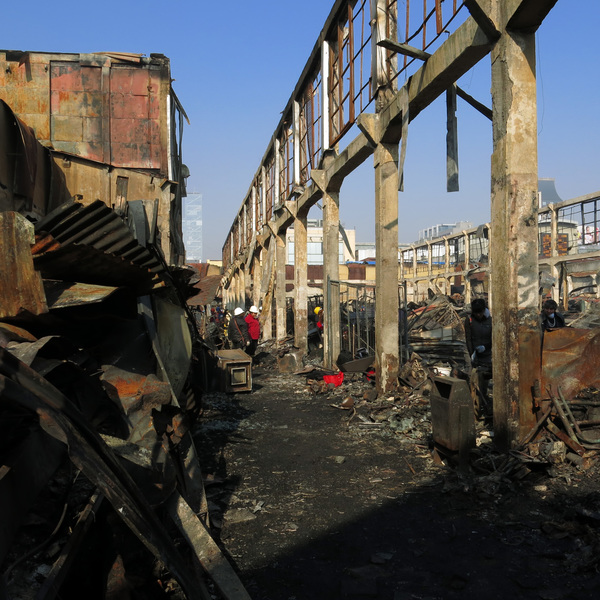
x,y
25,167
570,359
91,180
174,342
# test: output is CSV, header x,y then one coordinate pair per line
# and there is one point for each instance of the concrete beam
x,y
526,15
482,12
460,52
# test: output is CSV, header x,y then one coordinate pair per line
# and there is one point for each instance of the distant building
x,y
315,244
365,251
436,231
547,192
192,227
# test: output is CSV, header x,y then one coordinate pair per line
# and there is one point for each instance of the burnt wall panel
x,y
135,118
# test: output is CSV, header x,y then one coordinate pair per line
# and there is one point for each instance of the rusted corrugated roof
x,y
92,244
207,291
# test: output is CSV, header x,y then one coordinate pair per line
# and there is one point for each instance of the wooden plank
x,y
22,289
208,553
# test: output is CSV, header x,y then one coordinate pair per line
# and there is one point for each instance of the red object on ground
x,y
336,379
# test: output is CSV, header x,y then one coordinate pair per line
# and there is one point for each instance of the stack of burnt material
x,y
436,334
98,394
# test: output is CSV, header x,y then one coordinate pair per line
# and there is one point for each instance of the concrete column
x,y
331,270
300,283
429,262
233,289
555,268
280,295
225,297
466,269
514,232
242,289
266,317
257,274
387,359
448,288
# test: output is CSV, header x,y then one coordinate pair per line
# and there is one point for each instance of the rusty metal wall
x,y
108,108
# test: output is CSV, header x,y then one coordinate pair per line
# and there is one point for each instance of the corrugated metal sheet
x,y
92,244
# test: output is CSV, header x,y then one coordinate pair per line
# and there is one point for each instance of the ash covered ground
x,y
321,493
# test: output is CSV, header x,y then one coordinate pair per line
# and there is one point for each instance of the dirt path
x,y
309,508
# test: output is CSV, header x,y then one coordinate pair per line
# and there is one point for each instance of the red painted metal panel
x,y
77,109
83,112
135,128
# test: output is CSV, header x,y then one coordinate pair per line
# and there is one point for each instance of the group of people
x,y
478,334
244,330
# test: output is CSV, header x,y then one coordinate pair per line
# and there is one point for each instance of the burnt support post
x,y
387,352
387,184
267,288
301,282
331,271
514,232
242,288
235,292
257,274
280,295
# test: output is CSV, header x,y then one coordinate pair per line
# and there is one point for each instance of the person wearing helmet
x,y
319,313
253,329
315,331
237,331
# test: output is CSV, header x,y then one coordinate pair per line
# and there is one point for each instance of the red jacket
x,y
253,327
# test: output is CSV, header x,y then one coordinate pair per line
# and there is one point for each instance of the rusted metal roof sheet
x,y
92,244
63,294
207,291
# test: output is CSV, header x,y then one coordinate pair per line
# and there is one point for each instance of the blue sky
x,y
236,64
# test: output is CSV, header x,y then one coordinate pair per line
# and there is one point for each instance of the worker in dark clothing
x,y
550,318
237,331
478,335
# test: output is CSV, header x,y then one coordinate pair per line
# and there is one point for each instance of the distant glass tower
x,y
192,227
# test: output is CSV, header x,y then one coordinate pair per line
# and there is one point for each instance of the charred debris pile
x,y
566,435
101,492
